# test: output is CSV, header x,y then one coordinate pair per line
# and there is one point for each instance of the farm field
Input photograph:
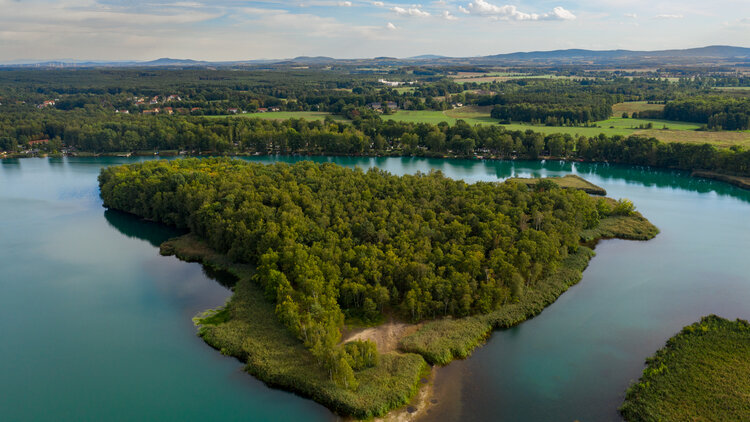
x,y
435,117
631,107
675,132
285,115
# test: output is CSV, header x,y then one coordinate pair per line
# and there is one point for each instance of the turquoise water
x,y
96,325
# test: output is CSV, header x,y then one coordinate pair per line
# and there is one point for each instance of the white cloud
x,y
391,26
345,4
559,13
378,3
440,3
669,16
463,10
631,15
448,16
510,12
412,11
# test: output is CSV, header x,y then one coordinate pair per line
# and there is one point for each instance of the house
x,y
390,83
155,100
262,110
122,111
38,142
391,105
174,98
375,106
48,103
233,110
195,109
168,110
152,111
274,109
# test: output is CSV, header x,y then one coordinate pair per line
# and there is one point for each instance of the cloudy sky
x,y
237,30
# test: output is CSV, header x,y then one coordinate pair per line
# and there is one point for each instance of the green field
x,y
285,115
631,107
435,117
702,374
674,132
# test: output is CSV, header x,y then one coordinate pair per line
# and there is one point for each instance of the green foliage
x,y
253,334
623,206
702,374
361,354
328,240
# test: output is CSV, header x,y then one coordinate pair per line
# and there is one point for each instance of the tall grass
x,y
702,374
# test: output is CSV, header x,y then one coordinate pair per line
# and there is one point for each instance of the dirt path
x,y
386,336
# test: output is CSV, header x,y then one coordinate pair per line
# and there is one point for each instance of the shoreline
x,y
742,182
739,181
404,341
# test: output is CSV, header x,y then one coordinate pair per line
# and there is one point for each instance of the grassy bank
x,y
569,181
702,374
743,182
247,328
443,340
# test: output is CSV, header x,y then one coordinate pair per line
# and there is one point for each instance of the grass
x,y
569,181
743,182
443,340
247,328
631,107
286,115
702,374
676,132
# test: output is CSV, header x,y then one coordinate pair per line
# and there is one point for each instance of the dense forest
x,y
331,242
85,111
718,113
88,132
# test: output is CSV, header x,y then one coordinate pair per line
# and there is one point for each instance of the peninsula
x,y
317,247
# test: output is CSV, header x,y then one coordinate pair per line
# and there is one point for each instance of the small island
x,y
350,284
569,181
702,374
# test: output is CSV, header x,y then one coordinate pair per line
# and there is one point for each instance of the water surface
x,y
97,326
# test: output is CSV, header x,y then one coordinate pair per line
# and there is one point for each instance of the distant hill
x,y
711,52
716,54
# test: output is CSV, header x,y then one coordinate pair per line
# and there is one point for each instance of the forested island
x,y
703,373
315,247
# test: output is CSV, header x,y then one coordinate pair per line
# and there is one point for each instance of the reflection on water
x,y
96,297
135,227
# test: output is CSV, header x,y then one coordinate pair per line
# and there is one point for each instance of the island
x,y
702,374
350,284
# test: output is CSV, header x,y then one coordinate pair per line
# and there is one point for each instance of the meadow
x,y
286,115
663,130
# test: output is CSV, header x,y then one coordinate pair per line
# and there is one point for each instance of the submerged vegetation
x,y
702,374
330,243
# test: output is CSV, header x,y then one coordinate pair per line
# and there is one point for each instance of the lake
x,y
97,325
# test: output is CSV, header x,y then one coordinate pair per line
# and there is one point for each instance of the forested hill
x,y
330,242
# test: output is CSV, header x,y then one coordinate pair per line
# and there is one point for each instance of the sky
x,y
242,30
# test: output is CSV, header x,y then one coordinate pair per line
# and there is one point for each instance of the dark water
x,y
96,325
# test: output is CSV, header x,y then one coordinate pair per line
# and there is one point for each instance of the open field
x,y
435,117
285,115
631,107
675,132
732,88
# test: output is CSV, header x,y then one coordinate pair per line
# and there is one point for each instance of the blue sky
x,y
237,30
